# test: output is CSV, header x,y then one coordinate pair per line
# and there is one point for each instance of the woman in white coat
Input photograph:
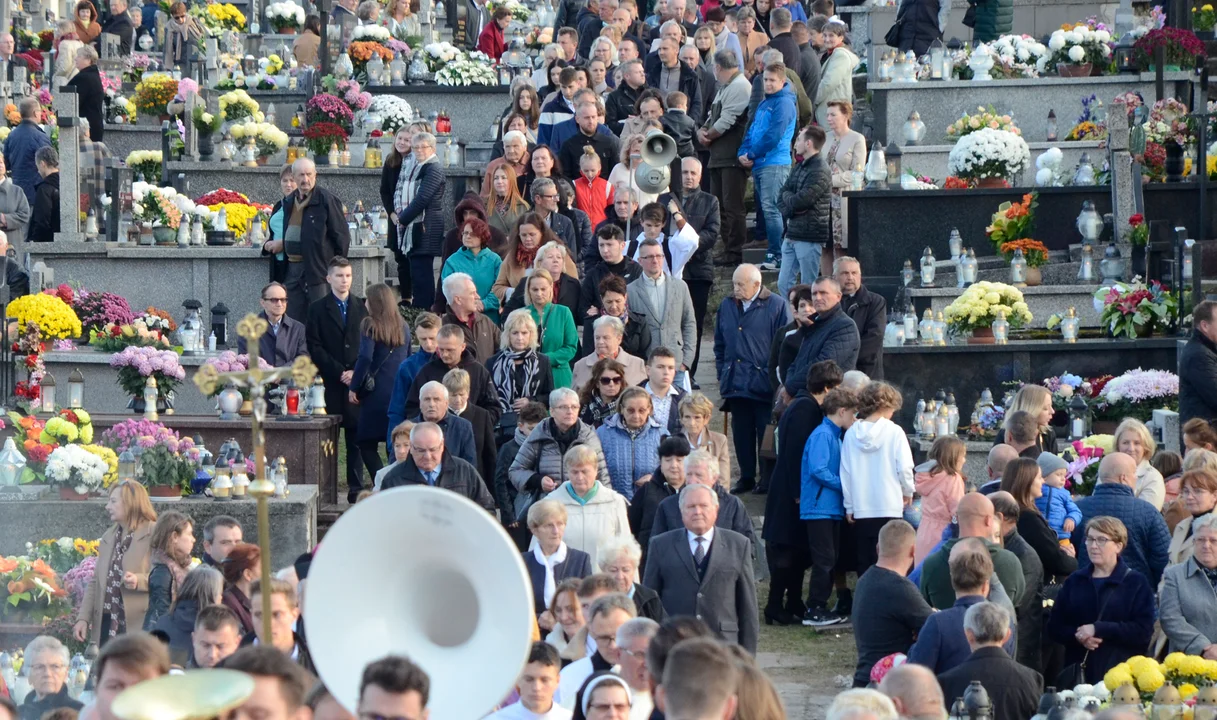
x,y
594,512
837,77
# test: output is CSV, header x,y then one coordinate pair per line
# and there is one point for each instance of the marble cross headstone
x,y
66,104
1120,162
192,135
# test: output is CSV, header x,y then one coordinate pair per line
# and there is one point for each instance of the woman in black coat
x,y
784,534
91,98
390,173
421,193
1022,479
202,587
552,257
513,374
547,522
383,346
786,343
666,481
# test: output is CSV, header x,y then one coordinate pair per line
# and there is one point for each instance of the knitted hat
x,y
1050,463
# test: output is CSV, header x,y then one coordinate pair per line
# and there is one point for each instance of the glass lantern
x,y
126,465
344,69
397,71
940,329
942,421
914,128
221,486
967,268
910,325
927,268
1206,704
1018,269
240,478
1086,267
925,329
1051,136
1079,418
46,394
76,389
1089,224
907,274
893,159
876,168
1126,698
138,453
953,413
1085,171
1111,267
1069,326
12,464
937,52
928,420
986,398
1001,329
1188,244
955,244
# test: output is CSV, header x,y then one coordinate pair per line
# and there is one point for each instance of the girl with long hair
x,y
504,204
172,542
383,346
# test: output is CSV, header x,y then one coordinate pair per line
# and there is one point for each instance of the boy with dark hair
x,y
537,684
217,634
394,687
804,201
677,123
610,241
279,684
677,249
426,329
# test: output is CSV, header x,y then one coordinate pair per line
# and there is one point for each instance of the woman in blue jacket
x,y
384,345
630,441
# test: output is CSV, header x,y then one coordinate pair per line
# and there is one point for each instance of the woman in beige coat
x,y
117,596
845,154
695,412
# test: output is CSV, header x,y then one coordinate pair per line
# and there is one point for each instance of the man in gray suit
x,y
704,571
664,303
284,341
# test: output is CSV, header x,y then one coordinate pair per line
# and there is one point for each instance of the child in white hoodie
x,y
876,469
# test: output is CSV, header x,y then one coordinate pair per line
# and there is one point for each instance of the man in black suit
x,y
284,341
451,352
429,464
485,453
705,571
1013,689
332,333
119,24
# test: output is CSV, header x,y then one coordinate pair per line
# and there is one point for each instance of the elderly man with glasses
x,y
46,667
284,341
431,464
545,204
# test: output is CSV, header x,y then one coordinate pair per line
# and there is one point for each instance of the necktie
x,y
430,476
700,555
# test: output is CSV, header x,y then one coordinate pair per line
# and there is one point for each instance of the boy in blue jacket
x,y
426,329
1056,504
766,151
821,506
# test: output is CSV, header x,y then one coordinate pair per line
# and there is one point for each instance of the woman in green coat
x,y
555,325
475,260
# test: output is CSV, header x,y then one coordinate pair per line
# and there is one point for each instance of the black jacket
x,y
805,201
481,389
918,22
784,351
483,441
121,26
785,44
1030,609
178,626
33,709
644,506
833,336
682,128
570,294
598,271
577,564
648,603
323,232
1198,379
869,312
782,523
279,349
608,147
810,69
731,515
690,85
91,100
18,280
709,88
160,594
1014,691
334,348
44,215
701,210
427,203
389,175
583,234
636,341
618,106
454,474
1035,530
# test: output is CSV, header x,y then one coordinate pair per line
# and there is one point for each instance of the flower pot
x,y
1206,35
290,30
1103,427
1034,276
1143,330
146,237
165,491
991,182
164,118
1074,71
70,494
1137,259
1174,162
164,235
137,405
207,148
261,159
982,336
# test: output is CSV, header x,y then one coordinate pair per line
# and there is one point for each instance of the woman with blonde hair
x,y
66,45
555,325
384,345
695,413
401,19
504,204
117,596
550,561
172,542
1135,440
756,697
622,174
940,483
520,372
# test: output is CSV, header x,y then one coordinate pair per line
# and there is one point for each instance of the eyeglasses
x,y
547,197
1098,541
1194,491
606,380
275,299
1205,540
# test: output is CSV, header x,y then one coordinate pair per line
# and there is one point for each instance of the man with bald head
x,y
915,692
747,324
314,233
893,608
999,457
1148,539
976,520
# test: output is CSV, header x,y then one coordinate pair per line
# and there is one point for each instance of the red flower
x,y
1136,220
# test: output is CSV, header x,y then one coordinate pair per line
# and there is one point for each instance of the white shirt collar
x,y
709,536
671,390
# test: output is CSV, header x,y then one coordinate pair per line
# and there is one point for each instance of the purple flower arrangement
x,y
136,364
97,309
76,581
146,434
229,361
349,90
325,107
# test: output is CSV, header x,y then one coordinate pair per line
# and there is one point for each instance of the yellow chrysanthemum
x,y
1117,676
55,319
1150,679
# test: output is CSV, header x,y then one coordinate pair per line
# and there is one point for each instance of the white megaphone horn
x,y
427,574
653,174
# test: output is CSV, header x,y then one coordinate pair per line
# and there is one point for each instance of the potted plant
x,y
146,163
321,136
30,591
989,157
1034,252
75,472
136,364
1137,393
977,307
167,473
1076,51
98,309
1182,49
1204,18
1012,221
268,139
1134,309
207,124
285,17
154,207
1083,457
327,108
153,94
237,106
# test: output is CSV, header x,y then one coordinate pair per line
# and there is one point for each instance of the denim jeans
x,y
767,183
801,259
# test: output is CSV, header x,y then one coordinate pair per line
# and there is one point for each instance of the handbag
x,y
892,38
1074,674
368,386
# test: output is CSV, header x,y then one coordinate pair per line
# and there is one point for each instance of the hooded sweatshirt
x,y
876,469
940,493
768,139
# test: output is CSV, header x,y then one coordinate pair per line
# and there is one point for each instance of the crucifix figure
x,y
252,328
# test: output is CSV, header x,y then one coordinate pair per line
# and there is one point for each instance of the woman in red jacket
x,y
491,41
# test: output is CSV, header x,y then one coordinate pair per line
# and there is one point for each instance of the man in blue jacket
x,y
22,143
1148,538
821,506
833,336
747,323
766,151
426,329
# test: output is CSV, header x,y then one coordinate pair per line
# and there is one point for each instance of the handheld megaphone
x,y
653,174
434,578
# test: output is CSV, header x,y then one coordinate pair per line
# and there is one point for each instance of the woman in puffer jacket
x,y
630,440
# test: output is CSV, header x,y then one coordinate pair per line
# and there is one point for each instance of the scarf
x,y
177,571
564,439
407,188
504,375
597,410
113,602
525,257
550,563
1210,574
586,498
